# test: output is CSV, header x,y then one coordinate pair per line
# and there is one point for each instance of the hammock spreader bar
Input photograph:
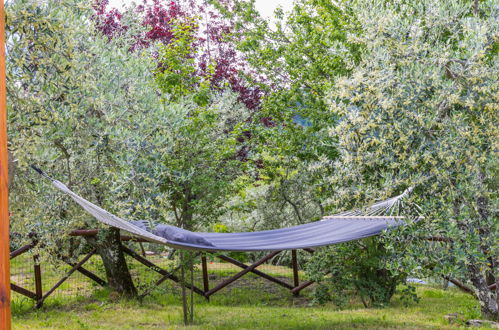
x,y
333,230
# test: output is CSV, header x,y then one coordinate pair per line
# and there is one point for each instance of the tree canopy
x,y
421,110
195,114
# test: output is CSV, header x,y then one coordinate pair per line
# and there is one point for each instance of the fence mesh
x,y
146,280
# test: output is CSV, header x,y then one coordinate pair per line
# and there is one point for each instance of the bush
x,y
354,268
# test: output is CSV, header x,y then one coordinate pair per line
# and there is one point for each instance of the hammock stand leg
x,y
87,273
256,272
206,284
62,280
142,249
164,278
157,269
296,279
302,286
241,273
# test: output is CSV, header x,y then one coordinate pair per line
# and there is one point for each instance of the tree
x,y
214,55
421,110
75,100
301,57
200,165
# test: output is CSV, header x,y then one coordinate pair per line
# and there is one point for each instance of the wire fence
x,y
272,277
77,284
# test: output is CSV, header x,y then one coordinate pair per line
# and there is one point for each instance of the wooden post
x,y
5,318
294,261
204,264
38,278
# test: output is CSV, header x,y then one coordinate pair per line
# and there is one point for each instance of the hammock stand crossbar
x,y
39,297
206,292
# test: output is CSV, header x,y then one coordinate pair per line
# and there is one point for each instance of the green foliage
x,y
408,295
359,268
176,75
220,228
365,98
421,110
75,103
196,168
195,158
86,110
301,57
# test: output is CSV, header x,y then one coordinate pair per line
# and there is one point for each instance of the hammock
x,y
343,227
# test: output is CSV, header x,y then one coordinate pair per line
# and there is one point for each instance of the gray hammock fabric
x,y
331,230
314,234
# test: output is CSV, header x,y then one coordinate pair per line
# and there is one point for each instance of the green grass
x,y
243,308
249,303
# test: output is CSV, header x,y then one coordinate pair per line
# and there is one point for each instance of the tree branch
x,y
461,286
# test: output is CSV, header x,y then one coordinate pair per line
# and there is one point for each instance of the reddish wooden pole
x,y
4,189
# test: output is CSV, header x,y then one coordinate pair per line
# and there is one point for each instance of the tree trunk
x,y
108,245
12,168
489,302
489,299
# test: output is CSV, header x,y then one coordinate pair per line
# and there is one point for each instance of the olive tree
x,y
75,101
421,109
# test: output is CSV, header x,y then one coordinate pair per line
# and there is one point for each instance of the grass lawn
x,y
249,303
244,308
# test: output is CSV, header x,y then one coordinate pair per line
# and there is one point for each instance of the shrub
x,y
358,268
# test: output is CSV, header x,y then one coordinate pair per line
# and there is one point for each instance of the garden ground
x,y
244,308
